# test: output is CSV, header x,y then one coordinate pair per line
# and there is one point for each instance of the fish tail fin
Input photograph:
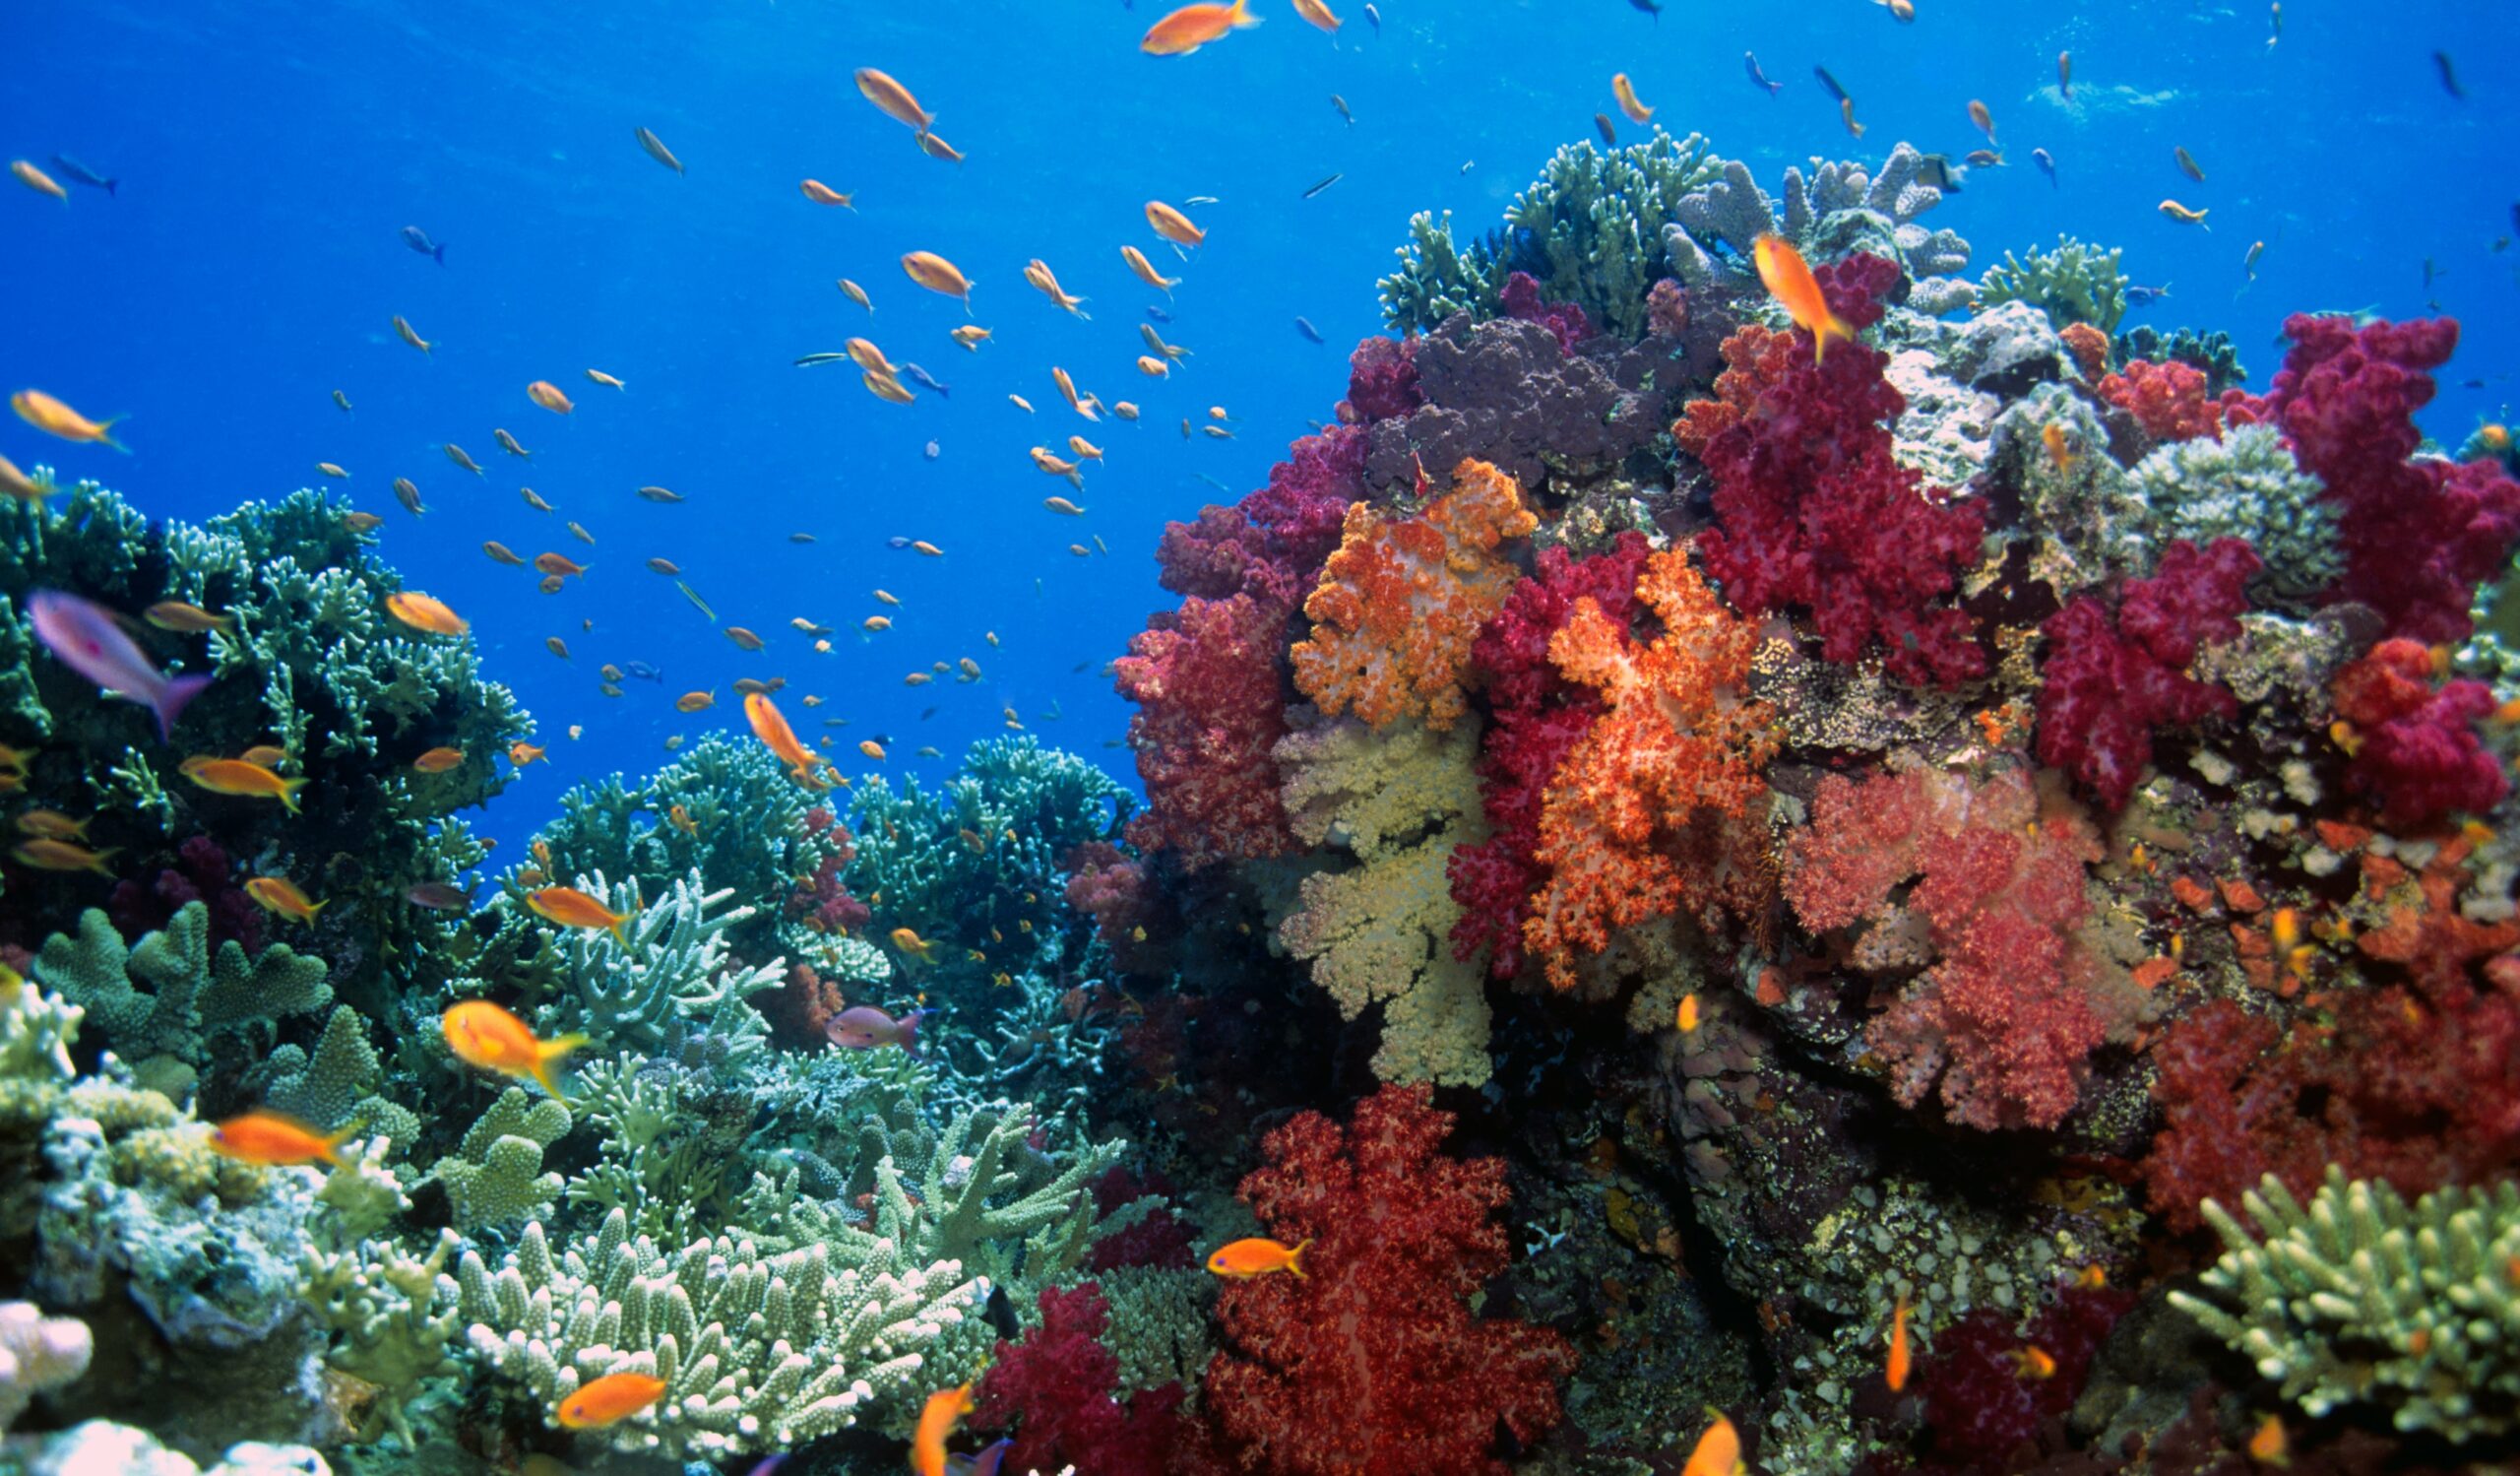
x,y
97,865
1240,17
1294,1259
547,1056
105,432
1831,327
172,700
328,1147
910,1032
288,789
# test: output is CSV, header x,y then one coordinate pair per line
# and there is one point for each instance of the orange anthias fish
x,y
823,194
1717,1451
559,564
937,1420
1786,276
264,1137
544,393
45,853
1257,1256
52,417
279,894
913,946
609,1400
571,908
424,613
770,725
2033,1362
1318,16
2268,1446
1194,26
893,99
1895,1367
1625,92
483,1034
1173,226
938,276
439,760
234,776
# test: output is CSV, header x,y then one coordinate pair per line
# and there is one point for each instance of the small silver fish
x,y
1304,325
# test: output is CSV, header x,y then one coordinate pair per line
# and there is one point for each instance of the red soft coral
x,y
1112,887
2168,400
2416,750
1520,298
1270,545
1982,1413
1814,510
2415,1082
1382,381
1057,1389
1535,718
1652,810
1373,1362
1210,709
2419,535
1755,358
2017,999
1400,601
2107,686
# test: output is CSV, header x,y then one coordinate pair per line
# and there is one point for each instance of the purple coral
x,y
1521,299
1382,380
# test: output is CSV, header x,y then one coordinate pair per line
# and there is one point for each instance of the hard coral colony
x,y
1697,895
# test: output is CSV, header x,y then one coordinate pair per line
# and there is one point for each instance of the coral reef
x,y
2073,283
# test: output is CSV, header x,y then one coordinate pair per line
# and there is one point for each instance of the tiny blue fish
x,y
81,174
1304,325
418,240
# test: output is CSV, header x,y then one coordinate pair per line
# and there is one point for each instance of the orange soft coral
x,y
1402,599
1754,359
1653,809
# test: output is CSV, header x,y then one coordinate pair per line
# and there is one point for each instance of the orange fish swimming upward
x,y
483,1034
1786,276
770,726
264,1137
1257,1256
937,1420
1895,1367
609,1400
1194,26
893,99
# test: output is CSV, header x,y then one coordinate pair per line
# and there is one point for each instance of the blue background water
x,y
269,155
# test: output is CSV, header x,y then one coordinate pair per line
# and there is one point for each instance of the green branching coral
x,y
2245,485
674,975
758,1352
336,1083
495,1176
2359,1299
1398,801
167,995
1026,805
2073,283
1589,228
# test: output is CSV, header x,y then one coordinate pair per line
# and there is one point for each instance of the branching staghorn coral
x,y
1589,228
2358,1298
1400,800
495,1176
2073,283
192,995
673,976
757,1352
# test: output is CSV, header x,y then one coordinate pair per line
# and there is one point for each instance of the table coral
x,y
2108,684
2357,1298
193,995
1372,1359
1401,601
1651,811
2419,535
495,1177
2017,997
1205,680
2414,746
1814,511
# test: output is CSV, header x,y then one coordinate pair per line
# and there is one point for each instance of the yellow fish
x,y
483,1034
938,276
571,908
1790,278
52,417
234,776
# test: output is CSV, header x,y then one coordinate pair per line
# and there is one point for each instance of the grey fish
x,y
1939,172
925,378
897,541
1836,91
2450,78
811,360
642,670
1340,104
1602,124
1374,17
1323,185
437,896
80,174
2145,297
1304,325
1652,8
1159,314
932,451
2047,163
1750,59
418,240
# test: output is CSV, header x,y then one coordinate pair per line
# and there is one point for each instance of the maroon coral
x,y
1112,887
2017,997
1271,544
1157,1239
204,873
1057,1389
2416,750
1521,299
1382,380
1373,1362
1537,717
2108,684
1814,510
1210,709
1981,1412
2419,535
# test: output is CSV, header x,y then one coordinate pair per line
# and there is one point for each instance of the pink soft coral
x,y
1814,509
1400,603
2419,535
2416,750
1210,709
1535,718
2016,1000
2168,400
1652,811
1270,545
1520,298
1372,1361
1382,381
2108,684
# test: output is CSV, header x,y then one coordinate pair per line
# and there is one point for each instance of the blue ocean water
x,y
267,156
